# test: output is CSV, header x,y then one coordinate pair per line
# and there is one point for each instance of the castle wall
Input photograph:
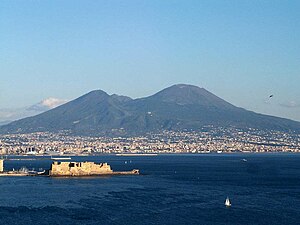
x,y
79,169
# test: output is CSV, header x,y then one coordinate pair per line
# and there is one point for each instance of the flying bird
x,y
268,99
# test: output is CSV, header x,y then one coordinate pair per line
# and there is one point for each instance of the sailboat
x,y
227,202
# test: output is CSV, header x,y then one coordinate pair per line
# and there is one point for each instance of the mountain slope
x,y
93,111
190,107
179,107
12,114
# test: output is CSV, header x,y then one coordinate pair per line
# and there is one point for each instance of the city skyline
x,y
242,52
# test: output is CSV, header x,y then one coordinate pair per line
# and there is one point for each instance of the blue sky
x,y
242,51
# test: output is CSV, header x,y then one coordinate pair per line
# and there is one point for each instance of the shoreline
x,y
47,157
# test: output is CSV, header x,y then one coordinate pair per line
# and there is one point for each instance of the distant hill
x,y
11,114
179,107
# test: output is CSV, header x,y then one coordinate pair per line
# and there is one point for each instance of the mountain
x,y
179,107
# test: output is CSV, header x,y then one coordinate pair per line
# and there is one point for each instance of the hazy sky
x,y
242,51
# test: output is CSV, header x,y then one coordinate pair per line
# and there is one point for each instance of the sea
x,y
172,189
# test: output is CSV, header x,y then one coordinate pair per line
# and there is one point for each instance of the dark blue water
x,y
175,189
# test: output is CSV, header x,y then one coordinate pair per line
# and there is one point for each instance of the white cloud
x,y
46,104
7,115
290,104
52,102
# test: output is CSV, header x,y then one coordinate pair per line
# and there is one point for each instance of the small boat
x,y
227,202
41,173
244,160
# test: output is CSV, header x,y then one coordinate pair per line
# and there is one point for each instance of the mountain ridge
x,y
178,107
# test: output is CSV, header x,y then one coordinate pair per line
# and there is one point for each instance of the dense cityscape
x,y
209,140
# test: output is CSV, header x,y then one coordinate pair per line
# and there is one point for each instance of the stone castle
x,y
84,169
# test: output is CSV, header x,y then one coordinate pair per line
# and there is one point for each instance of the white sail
x,y
227,202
